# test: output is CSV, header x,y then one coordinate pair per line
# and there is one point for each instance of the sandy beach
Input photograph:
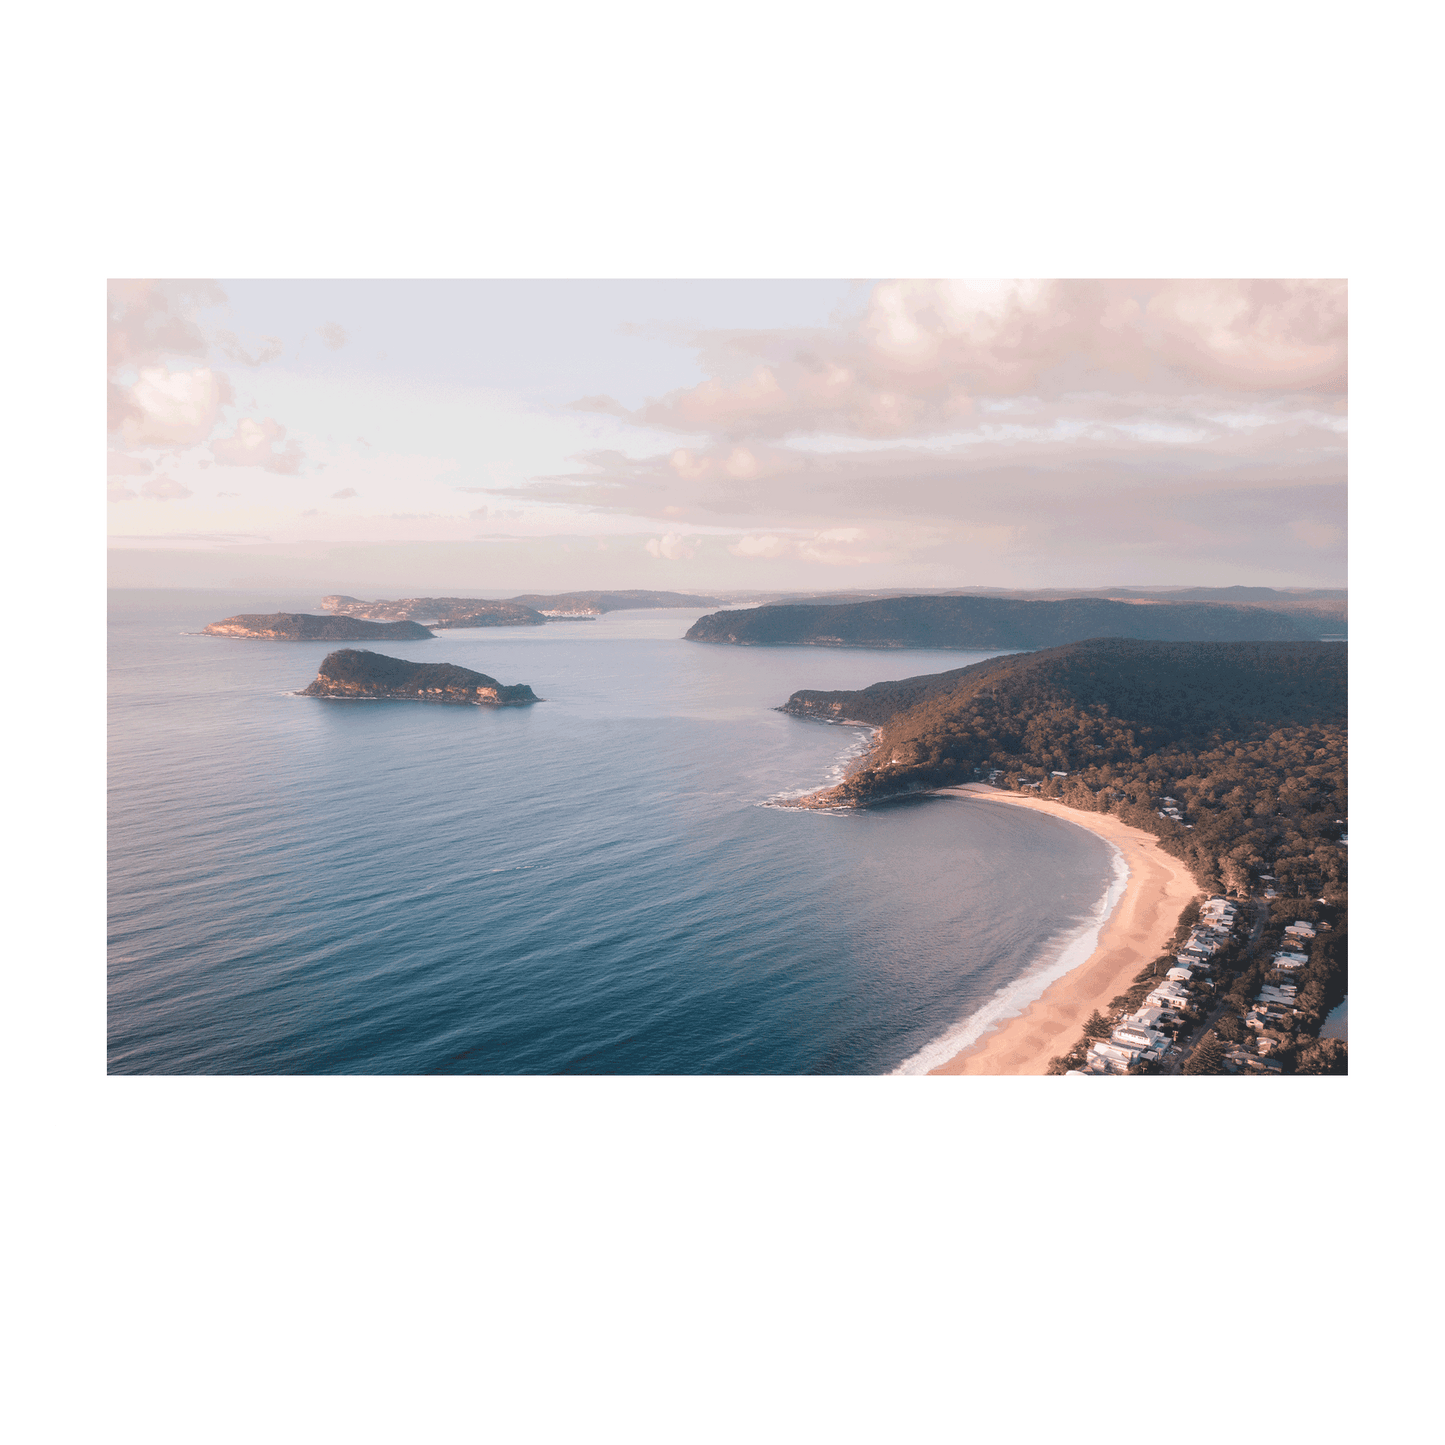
x,y
1142,922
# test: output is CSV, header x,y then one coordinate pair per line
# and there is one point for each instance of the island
x,y
308,627
1213,767
989,623
489,614
529,610
350,673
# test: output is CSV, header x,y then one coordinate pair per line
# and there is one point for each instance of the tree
x,y
1098,1027
1230,1028
1324,1056
1208,1058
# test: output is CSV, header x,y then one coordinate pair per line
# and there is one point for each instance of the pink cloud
x,y
333,334
671,548
926,354
173,408
164,489
120,464
258,444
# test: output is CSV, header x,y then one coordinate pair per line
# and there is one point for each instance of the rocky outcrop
x,y
308,627
355,674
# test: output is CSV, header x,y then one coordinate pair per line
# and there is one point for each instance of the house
x,y
1115,1057
1289,960
1284,996
1181,973
1301,929
1169,995
1145,1017
1137,1036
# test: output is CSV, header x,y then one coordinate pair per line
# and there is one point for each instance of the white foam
x,y
1061,954
837,771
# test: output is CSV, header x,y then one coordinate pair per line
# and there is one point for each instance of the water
x,y
1337,1022
591,885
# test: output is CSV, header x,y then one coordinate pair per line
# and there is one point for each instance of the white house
x,y
1146,1017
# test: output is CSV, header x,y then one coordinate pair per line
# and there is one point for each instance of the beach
x,y
1135,933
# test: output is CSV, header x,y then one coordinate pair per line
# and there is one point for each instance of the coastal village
x,y
1184,1009
1149,1029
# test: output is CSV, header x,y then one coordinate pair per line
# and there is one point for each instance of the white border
x,y
85,1097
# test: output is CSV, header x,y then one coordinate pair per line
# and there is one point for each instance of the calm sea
x,y
595,884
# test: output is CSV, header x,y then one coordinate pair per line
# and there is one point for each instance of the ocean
x,y
598,884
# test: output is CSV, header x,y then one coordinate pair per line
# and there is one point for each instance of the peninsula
x,y
1215,767
308,627
989,623
369,675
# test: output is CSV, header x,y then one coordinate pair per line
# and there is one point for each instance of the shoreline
x,y
1133,934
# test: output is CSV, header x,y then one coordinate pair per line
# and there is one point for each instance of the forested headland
x,y
1001,622
1247,739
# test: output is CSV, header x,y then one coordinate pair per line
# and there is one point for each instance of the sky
x,y
496,436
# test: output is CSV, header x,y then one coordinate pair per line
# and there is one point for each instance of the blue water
x,y
591,885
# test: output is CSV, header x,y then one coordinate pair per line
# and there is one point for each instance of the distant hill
x,y
308,627
612,601
494,614
996,622
354,674
526,610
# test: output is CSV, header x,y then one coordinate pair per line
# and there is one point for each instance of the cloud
x,y
925,354
672,547
148,320
164,489
121,464
119,492
836,546
344,493
333,334
271,348
1023,457
1317,534
258,444
172,408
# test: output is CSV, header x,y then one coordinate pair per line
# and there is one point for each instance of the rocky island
x,y
308,627
355,674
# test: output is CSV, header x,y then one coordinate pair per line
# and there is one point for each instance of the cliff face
x,y
355,674
994,622
307,627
